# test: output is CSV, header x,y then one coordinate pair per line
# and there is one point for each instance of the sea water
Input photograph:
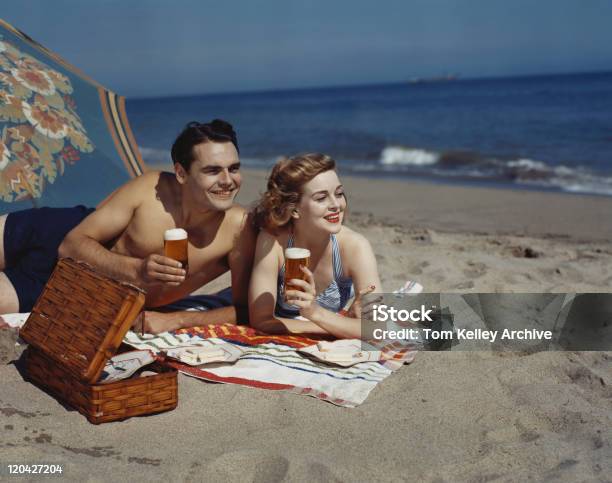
x,y
549,132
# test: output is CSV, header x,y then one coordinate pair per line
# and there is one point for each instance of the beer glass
x,y
294,259
175,245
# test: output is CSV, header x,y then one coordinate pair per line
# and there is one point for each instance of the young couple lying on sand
x,y
303,206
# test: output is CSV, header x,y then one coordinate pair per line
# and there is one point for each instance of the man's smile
x,y
223,193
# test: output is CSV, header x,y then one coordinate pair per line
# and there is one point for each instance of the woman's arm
x,y
362,266
364,272
263,288
330,322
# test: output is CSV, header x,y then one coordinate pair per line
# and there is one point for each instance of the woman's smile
x,y
333,217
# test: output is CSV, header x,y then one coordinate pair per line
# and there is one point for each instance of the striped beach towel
x,y
273,362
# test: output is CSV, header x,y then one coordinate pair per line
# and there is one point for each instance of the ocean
x,y
549,132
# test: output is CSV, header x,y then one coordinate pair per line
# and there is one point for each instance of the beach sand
x,y
450,416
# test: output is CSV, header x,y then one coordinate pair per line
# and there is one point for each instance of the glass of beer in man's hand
x,y
295,258
175,246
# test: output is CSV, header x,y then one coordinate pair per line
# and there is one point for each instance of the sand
x,y
451,416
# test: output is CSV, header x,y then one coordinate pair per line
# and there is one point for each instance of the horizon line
x,y
355,86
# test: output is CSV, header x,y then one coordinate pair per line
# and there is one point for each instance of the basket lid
x,y
81,317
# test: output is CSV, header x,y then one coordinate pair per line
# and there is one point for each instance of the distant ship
x,y
430,80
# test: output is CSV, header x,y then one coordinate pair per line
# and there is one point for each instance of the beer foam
x,y
295,253
175,234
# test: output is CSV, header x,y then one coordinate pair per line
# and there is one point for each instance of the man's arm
x,y
85,242
155,322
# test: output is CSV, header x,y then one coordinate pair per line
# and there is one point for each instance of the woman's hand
x,y
360,307
304,297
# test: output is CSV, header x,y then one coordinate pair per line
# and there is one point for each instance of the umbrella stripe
x,y
140,165
110,122
114,99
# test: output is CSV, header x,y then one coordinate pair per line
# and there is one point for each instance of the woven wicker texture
x,y
102,403
81,318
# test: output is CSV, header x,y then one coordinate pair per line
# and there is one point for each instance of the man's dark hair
x,y
196,133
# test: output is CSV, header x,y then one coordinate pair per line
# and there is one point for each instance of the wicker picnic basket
x,y
77,324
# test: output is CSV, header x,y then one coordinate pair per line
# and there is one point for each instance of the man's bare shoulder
x,y
237,212
143,183
132,190
150,178
153,185
158,180
238,217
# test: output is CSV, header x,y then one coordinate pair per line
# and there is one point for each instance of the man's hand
x,y
157,269
156,322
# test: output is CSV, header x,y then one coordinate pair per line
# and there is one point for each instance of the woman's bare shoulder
x,y
268,236
267,240
358,259
351,240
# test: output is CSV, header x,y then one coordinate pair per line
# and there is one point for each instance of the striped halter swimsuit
x,y
333,298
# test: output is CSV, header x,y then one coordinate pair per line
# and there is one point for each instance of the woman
x,y
304,207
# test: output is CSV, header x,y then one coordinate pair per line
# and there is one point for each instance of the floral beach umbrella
x,y
64,139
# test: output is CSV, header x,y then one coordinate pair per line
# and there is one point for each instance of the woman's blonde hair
x,y
285,184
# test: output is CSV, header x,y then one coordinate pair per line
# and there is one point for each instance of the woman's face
x,y
322,203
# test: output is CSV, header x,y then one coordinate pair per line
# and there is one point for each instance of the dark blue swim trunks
x,y
31,240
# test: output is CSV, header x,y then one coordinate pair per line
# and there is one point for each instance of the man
x,y
124,236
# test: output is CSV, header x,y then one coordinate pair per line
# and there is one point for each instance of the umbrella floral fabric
x,y
64,138
42,131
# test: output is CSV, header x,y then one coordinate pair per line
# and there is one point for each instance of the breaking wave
x,y
474,166
407,157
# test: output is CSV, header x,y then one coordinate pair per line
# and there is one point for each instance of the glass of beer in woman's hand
x,y
175,246
295,258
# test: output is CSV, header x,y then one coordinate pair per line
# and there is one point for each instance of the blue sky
x,y
154,47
